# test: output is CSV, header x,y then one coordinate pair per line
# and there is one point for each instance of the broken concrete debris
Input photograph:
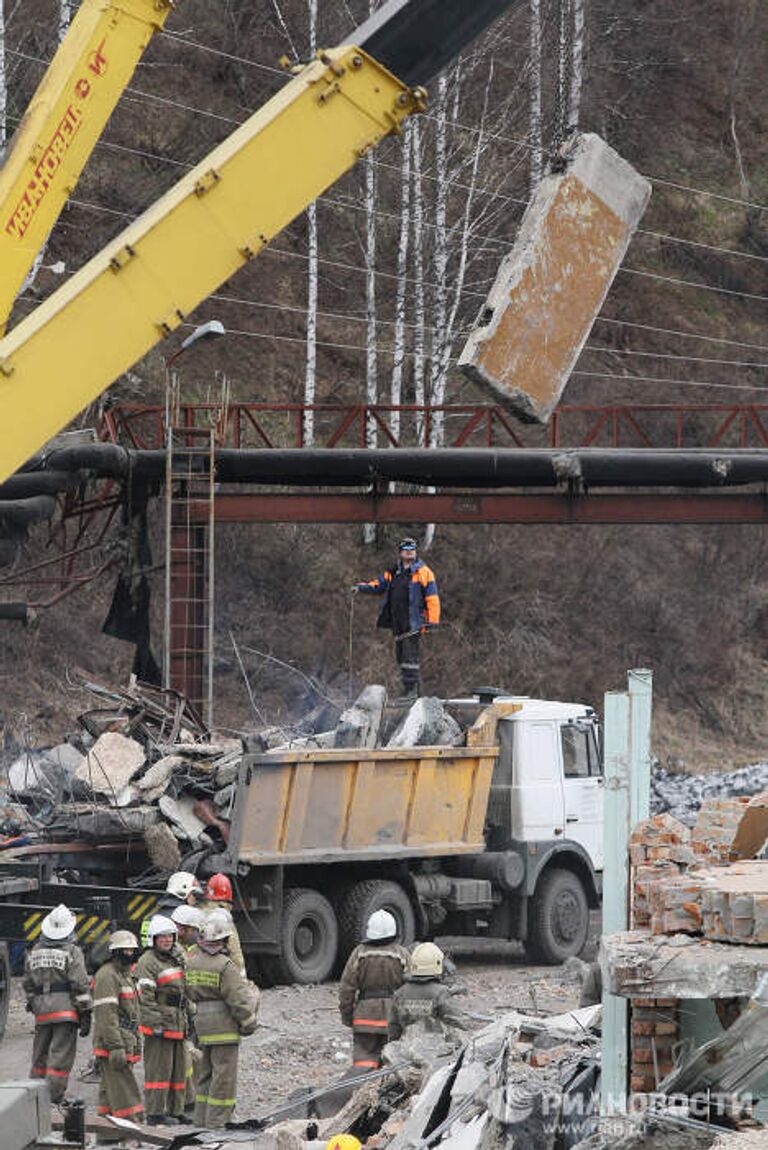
x,y
145,764
682,795
511,1084
427,724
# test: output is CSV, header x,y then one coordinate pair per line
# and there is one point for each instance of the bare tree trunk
x,y
65,19
537,160
371,358
313,277
401,298
577,66
440,335
419,303
563,67
3,85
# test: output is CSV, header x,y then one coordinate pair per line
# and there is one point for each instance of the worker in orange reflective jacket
x,y
411,606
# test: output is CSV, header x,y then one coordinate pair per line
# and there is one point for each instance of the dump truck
x,y
500,838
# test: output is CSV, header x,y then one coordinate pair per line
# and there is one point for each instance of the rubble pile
x,y
144,764
682,795
520,1081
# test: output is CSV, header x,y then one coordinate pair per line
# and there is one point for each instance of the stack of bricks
x,y
655,1029
659,848
716,825
732,912
676,903
660,839
647,877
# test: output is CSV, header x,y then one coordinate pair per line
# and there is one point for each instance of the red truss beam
x,y
268,425
484,507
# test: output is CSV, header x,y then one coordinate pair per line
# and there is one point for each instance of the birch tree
x,y
371,356
419,302
401,297
577,66
65,19
537,156
313,278
3,86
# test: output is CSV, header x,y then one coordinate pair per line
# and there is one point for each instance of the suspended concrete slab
x,y
551,286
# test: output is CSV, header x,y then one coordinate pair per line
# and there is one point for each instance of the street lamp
x,y
204,331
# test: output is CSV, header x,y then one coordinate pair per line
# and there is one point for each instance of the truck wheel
x,y
362,900
309,939
559,918
5,985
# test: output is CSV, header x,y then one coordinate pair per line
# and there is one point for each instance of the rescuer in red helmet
x,y
218,896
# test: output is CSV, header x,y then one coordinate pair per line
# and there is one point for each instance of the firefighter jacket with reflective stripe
x,y
162,994
427,1002
371,975
116,1012
234,949
226,1002
56,982
423,600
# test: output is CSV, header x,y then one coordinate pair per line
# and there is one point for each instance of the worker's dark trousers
x,y
53,1055
366,1050
408,659
119,1092
216,1085
165,1080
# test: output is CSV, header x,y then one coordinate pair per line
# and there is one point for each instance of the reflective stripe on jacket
x,y
423,598
56,982
227,1004
162,994
115,1012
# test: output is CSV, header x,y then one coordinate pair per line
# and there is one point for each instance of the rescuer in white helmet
x,y
374,970
164,1023
58,993
116,1041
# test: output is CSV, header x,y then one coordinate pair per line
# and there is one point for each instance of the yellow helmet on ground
x,y
343,1142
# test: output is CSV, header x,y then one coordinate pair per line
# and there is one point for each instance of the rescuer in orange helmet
x,y
218,896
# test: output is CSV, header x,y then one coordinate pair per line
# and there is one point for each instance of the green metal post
x,y
615,893
640,695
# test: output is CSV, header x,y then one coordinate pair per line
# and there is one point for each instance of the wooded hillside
x,y
367,298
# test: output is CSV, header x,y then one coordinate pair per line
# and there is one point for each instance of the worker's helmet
x,y
219,888
426,961
407,544
159,924
380,926
59,923
343,1142
188,916
182,884
217,926
123,940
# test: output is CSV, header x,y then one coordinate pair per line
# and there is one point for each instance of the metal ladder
x,y
189,558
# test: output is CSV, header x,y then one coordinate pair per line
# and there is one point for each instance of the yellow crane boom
x,y
144,284
68,113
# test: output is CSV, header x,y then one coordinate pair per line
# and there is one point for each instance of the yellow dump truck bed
x,y
347,805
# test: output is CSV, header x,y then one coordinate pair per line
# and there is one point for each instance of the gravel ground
x,y
300,1041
